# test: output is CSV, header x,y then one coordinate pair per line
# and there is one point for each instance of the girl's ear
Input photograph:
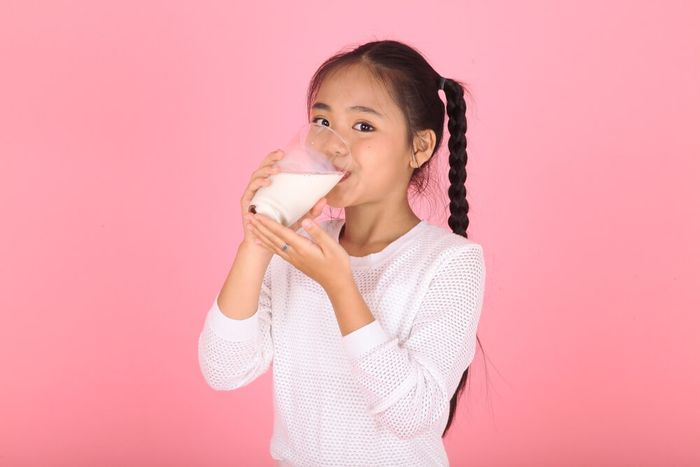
x,y
423,146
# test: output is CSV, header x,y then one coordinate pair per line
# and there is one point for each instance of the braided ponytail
x,y
459,206
457,144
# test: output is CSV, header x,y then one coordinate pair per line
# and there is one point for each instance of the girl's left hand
x,y
323,259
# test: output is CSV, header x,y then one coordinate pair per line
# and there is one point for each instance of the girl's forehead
x,y
354,86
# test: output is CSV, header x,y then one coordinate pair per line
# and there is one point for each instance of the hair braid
x,y
459,207
457,126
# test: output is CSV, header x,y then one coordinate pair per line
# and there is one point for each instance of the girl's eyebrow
x,y
354,108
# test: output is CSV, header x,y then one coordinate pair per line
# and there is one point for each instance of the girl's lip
x,y
347,174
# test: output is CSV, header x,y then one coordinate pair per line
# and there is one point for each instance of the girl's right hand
x,y
260,178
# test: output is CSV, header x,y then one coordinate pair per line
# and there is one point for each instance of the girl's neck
x,y
374,239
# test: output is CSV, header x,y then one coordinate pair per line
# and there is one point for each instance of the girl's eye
x,y
321,118
366,127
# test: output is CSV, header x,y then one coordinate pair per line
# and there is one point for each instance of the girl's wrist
x,y
250,248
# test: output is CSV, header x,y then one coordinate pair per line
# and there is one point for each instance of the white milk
x,y
292,194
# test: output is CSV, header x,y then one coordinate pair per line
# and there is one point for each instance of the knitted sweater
x,y
379,395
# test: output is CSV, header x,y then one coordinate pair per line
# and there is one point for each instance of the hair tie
x,y
442,83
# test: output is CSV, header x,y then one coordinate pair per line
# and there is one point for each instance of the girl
x,y
370,320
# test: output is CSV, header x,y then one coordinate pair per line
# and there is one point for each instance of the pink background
x,y
128,131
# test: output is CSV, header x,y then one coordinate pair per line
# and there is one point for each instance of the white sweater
x,y
379,395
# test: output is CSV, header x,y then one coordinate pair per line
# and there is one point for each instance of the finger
x,y
267,242
253,187
272,157
278,233
317,234
313,213
265,227
318,208
266,171
260,178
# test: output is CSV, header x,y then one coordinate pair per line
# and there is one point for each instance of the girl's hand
x,y
321,258
260,178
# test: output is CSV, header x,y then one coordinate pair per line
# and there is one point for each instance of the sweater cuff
x,y
231,329
362,340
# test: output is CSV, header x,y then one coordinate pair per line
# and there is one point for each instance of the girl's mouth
x,y
345,177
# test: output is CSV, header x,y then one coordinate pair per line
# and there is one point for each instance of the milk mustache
x,y
290,195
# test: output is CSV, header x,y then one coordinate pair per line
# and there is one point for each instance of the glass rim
x,y
309,124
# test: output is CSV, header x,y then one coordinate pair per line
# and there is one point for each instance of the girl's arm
x,y
239,296
235,345
408,386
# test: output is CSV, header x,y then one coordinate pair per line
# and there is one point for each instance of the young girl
x,y
370,321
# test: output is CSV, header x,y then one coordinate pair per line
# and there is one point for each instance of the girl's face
x,y
358,108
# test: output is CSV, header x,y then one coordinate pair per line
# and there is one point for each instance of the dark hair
x,y
414,84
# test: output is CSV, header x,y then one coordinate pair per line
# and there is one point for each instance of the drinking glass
x,y
314,161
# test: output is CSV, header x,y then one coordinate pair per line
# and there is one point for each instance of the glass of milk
x,y
314,161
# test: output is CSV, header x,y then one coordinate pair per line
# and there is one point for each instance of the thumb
x,y
318,208
317,234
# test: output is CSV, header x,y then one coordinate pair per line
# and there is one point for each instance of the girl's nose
x,y
339,154
330,143
337,148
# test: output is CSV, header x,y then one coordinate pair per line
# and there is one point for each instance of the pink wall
x,y
128,131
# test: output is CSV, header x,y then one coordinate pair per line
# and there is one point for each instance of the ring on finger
x,y
275,242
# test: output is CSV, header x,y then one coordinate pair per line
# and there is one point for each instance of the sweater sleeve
x,y
232,352
408,386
